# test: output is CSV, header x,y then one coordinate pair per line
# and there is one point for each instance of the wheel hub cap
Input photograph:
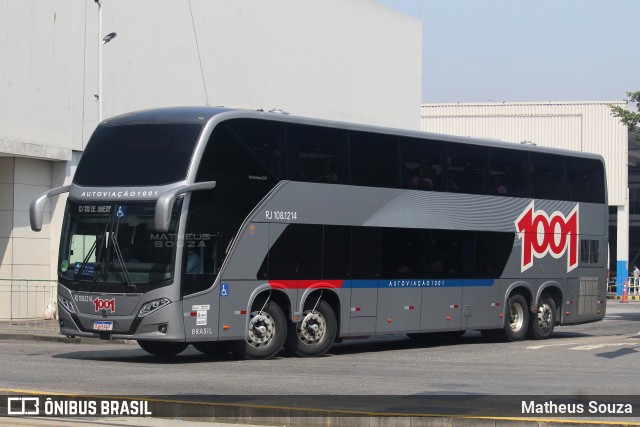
x,y
516,317
312,328
544,316
261,329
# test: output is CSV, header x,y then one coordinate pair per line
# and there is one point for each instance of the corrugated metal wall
x,y
582,126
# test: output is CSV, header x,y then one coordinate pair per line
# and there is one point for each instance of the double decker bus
x,y
214,227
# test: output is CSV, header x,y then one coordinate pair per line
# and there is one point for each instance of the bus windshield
x,y
141,154
112,247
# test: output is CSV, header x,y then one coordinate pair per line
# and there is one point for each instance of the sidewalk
x,y
632,297
44,330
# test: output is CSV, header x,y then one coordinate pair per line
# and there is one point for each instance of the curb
x,y
629,298
252,410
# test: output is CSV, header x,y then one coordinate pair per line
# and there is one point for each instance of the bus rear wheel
x,y
162,348
266,334
314,335
517,322
544,320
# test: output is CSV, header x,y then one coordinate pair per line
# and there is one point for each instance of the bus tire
x,y
517,321
162,348
314,335
542,323
266,334
212,347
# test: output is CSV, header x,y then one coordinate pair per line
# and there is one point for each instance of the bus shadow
x,y
379,344
192,356
569,334
402,342
355,346
137,355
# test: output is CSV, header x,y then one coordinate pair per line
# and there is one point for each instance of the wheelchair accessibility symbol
x,y
224,290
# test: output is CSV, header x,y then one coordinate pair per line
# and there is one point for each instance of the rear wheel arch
x,y
520,288
317,326
327,295
264,293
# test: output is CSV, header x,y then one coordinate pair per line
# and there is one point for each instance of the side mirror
x,y
36,208
164,204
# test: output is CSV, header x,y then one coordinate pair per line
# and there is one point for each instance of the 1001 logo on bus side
x,y
544,234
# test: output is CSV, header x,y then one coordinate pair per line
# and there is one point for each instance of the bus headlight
x,y
68,305
152,306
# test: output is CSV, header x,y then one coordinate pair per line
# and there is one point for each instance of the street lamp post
x,y
101,41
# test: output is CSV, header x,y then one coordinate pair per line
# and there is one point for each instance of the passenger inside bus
x,y
194,262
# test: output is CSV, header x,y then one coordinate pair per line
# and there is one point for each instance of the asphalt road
x,y
594,359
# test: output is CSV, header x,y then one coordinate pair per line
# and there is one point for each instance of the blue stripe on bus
x,y
417,283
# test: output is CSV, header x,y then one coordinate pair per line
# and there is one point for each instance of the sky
x,y
526,50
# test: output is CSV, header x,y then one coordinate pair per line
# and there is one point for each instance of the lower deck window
x,y
311,252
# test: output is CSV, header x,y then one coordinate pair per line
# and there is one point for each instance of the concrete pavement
x,y
275,416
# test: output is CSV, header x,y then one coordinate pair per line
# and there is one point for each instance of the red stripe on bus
x,y
305,284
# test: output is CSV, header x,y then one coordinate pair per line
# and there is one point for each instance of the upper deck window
x,y
548,178
374,159
317,154
137,155
585,180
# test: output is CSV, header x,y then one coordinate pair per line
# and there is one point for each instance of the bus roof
x,y
166,115
203,115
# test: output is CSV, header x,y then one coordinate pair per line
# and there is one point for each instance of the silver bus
x,y
259,231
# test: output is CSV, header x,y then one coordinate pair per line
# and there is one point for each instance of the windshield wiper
x,y
98,254
118,253
103,270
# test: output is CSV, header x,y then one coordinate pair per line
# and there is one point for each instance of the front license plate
x,y
103,326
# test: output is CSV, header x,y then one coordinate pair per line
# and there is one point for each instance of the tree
x,y
629,118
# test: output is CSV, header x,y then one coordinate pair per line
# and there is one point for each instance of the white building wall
x,y
6,216
42,73
24,254
31,251
344,60
354,61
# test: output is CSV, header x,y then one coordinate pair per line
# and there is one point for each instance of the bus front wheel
x,y
266,334
314,335
163,349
